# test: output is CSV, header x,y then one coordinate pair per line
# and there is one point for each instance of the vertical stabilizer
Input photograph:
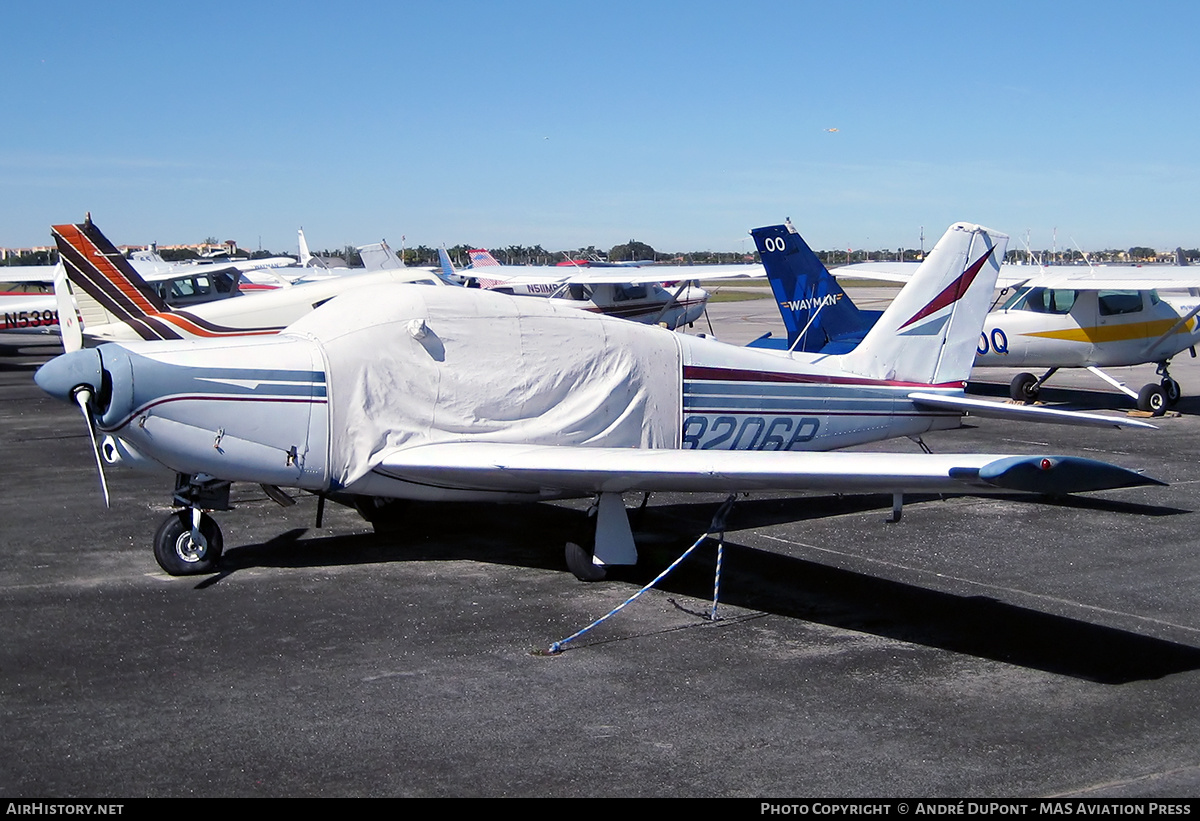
x,y
447,266
307,260
379,256
929,333
817,313
107,289
481,258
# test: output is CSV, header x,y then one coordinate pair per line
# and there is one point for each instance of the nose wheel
x,y
188,543
1171,390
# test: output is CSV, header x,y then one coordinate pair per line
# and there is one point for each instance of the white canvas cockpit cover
x,y
422,365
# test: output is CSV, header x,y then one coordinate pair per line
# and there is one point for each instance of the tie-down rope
x,y
717,527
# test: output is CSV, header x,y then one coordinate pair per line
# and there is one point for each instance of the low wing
x,y
1023,413
582,471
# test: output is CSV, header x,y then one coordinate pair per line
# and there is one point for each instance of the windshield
x,y
1042,300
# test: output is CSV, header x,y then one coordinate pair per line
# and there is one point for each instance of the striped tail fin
x,y
930,331
106,286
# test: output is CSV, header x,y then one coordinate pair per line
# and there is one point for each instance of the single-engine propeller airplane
x,y
628,292
1095,319
395,392
116,304
1090,317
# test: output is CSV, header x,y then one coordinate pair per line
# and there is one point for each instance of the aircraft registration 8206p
x,y
400,392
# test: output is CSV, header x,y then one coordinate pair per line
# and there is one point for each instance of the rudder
x,y
929,333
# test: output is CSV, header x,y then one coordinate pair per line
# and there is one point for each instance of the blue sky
x,y
569,124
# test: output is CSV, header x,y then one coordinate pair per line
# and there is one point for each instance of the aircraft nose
x,y
62,375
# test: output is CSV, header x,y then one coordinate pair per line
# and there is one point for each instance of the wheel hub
x,y
189,548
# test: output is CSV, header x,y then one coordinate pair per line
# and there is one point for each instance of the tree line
x,y
634,251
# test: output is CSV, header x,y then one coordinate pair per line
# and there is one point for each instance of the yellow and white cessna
x,y
1096,318
1083,317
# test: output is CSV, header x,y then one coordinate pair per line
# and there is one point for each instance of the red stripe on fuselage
x,y
703,373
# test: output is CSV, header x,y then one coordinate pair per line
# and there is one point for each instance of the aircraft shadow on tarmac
x,y
28,354
532,536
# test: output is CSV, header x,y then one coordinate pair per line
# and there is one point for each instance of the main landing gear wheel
x,y
381,512
579,562
1024,388
1171,389
1152,398
179,554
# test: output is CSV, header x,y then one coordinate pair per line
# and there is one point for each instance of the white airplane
x,y
629,292
433,394
1091,317
28,303
1096,318
115,303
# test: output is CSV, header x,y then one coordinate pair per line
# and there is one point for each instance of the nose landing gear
x,y
189,542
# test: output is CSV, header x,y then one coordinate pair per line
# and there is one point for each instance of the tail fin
x,y
447,265
378,256
107,288
481,258
929,332
816,311
307,260
68,318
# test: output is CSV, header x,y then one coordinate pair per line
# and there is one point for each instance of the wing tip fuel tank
x,y
1060,475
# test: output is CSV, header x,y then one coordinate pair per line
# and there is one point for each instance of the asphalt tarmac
x,y
980,647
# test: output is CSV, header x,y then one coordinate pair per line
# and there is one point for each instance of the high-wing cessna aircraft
x,y
394,392
116,304
628,292
1096,318
1084,317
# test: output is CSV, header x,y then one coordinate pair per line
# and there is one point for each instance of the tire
x,y
1172,390
1152,398
382,513
579,562
173,548
1024,388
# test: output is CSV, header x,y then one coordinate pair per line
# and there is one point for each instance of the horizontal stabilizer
x,y
1023,413
546,470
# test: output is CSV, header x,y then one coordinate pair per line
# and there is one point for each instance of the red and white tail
x,y
929,333
481,258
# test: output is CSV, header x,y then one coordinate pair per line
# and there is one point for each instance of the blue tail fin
x,y
818,315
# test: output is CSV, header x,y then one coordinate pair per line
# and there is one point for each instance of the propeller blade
x,y
82,397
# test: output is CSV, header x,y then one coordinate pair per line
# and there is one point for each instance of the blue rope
x,y
717,526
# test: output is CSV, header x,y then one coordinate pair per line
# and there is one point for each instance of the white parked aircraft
x,y
28,304
1095,319
629,292
1084,317
460,394
115,303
